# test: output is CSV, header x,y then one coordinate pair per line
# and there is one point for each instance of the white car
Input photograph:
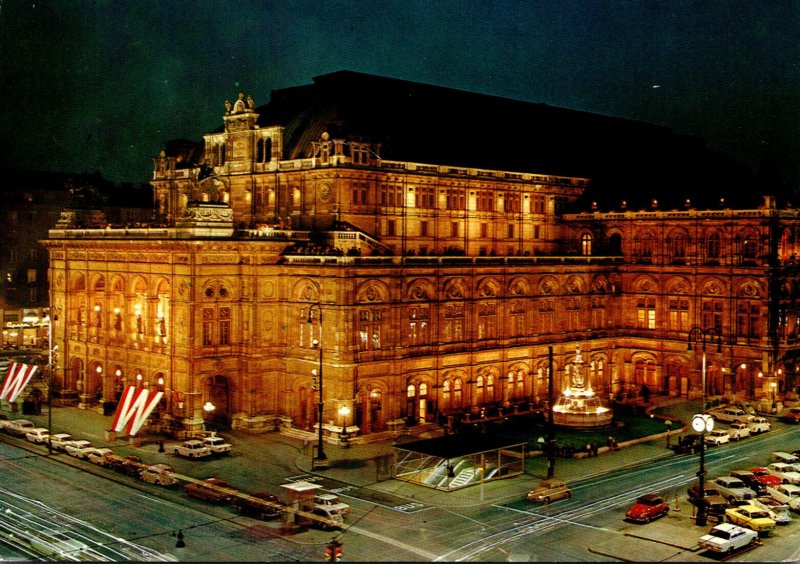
x,y
192,449
732,488
61,440
717,437
786,472
19,427
730,414
217,445
778,512
38,435
786,493
759,425
79,449
785,457
159,474
738,431
99,456
727,537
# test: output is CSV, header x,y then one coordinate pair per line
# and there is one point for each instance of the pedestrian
x,y
588,448
594,449
612,444
305,446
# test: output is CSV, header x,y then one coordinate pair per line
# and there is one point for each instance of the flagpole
x,y
50,382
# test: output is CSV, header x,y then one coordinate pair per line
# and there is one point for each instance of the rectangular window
x,y
369,329
33,253
538,204
224,326
456,200
513,203
487,321
484,230
423,228
547,317
208,326
678,314
454,229
599,316
426,198
510,230
453,323
646,312
711,314
536,234
31,276
390,227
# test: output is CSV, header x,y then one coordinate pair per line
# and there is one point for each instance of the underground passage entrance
x,y
450,463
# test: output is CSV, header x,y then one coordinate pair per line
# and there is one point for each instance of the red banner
x,y
135,406
17,378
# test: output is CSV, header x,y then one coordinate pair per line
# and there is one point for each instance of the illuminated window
x,y
370,325
646,312
678,314
586,245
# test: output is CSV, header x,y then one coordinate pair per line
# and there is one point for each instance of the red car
x,y
791,416
766,478
647,508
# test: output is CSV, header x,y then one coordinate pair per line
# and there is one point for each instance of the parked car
x,y
159,474
333,502
784,457
729,414
759,425
727,537
751,517
79,449
647,508
60,441
732,488
192,448
215,490
549,490
717,437
786,493
100,456
19,427
260,505
786,472
778,512
130,465
217,445
687,444
37,435
750,480
763,476
738,431
791,415
712,498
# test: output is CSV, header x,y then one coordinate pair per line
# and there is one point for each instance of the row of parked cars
x,y
752,502
259,505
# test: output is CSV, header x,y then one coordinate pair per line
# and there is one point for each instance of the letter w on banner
x,y
17,377
134,408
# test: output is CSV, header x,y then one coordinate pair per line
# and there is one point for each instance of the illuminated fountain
x,y
578,406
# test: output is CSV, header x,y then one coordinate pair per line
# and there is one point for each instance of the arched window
x,y
713,246
586,245
411,391
479,390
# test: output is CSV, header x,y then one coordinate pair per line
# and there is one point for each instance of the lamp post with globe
x,y
702,422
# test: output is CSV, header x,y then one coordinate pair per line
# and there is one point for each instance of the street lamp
x,y
208,407
318,375
703,422
344,411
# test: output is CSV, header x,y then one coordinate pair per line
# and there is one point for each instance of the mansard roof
x,y
423,123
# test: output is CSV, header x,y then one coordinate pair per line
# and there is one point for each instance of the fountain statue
x,y
578,406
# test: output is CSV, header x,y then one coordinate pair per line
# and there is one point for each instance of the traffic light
x,y
333,552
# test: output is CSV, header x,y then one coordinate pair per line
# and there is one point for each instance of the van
x,y
784,457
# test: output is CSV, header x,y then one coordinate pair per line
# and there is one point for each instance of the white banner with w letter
x,y
135,406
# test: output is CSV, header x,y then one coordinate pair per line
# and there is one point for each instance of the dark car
x,y
215,490
130,465
688,444
792,415
751,481
647,508
713,500
260,505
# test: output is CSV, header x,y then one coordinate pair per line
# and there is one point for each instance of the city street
x,y
390,520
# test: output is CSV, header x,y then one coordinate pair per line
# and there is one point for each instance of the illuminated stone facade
x,y
442,287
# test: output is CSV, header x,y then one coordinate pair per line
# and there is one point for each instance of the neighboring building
x,y
448,241
33,201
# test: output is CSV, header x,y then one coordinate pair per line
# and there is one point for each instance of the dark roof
x,y
417,122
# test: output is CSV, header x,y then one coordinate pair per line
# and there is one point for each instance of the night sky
x,y
101,86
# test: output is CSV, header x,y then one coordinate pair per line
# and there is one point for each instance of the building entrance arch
x,y
216,392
